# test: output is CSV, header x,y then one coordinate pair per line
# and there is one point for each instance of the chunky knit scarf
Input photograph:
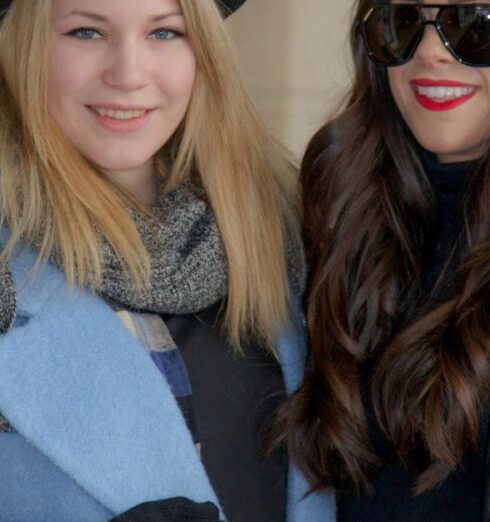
x,y
188,265
7,299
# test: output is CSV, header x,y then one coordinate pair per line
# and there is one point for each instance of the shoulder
x,y
34,286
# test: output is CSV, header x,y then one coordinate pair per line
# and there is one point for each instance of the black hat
x,y
3,5
227,6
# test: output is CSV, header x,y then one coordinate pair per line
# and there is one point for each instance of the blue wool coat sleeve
x,y
33,489
292,354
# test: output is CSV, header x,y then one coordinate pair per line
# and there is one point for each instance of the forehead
x,y
113,8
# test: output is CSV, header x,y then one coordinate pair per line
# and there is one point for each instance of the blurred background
x,y
295,58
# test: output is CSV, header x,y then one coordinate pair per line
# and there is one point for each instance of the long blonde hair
x,y
50,195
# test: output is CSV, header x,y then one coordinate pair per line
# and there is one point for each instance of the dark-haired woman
x,y
396,190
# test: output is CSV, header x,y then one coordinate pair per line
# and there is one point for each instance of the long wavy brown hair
x,y
368,207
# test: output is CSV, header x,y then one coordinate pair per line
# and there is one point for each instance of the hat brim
x,y
4,5
228,7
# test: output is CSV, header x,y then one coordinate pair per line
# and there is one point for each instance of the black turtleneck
x,y
460,497
452,186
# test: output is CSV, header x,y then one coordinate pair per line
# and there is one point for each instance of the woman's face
x,y
456,125
121,74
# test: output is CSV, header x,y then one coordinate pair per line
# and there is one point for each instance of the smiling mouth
x,y
120,115
443,93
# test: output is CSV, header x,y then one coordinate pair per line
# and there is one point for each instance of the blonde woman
x,y
149,271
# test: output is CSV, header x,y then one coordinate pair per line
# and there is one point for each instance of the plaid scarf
x,y
153,336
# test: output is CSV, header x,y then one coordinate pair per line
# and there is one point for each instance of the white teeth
x,y
443,93
119,115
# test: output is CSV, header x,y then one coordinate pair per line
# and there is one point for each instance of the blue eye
x,y
164,34
85,33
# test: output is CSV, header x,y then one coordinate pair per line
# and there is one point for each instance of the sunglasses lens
x,y
392,32
467,30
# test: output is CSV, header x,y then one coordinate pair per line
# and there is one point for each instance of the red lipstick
x,y
431,103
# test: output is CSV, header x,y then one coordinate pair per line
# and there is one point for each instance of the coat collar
x,y
72,377
78,387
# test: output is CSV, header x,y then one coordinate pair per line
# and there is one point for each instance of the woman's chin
x,y
115,165
452,153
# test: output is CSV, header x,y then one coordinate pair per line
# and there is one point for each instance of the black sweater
x,y
234,399
460,497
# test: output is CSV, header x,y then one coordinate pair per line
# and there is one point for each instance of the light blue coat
x,y
98,429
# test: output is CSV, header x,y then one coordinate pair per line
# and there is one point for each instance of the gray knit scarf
x,y
7,299
188,265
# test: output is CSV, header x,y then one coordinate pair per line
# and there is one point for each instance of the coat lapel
x,y
78,387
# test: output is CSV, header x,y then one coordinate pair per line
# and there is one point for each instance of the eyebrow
x,y
100,18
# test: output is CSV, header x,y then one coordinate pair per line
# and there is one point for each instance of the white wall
x,y
295,58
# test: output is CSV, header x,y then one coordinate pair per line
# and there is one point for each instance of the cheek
x,y
177,79
485,74
398,86
68,73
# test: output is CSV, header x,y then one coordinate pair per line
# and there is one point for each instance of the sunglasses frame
x,y
436,23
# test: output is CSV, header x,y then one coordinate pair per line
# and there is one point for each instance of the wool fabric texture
x,y
7,299
188,265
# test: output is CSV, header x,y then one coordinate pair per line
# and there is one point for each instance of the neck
x,y
140,182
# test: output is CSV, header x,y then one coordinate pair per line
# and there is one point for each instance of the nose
x,y
126,68
431,50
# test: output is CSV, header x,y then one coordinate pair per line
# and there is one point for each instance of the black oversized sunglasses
x,y
392,32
